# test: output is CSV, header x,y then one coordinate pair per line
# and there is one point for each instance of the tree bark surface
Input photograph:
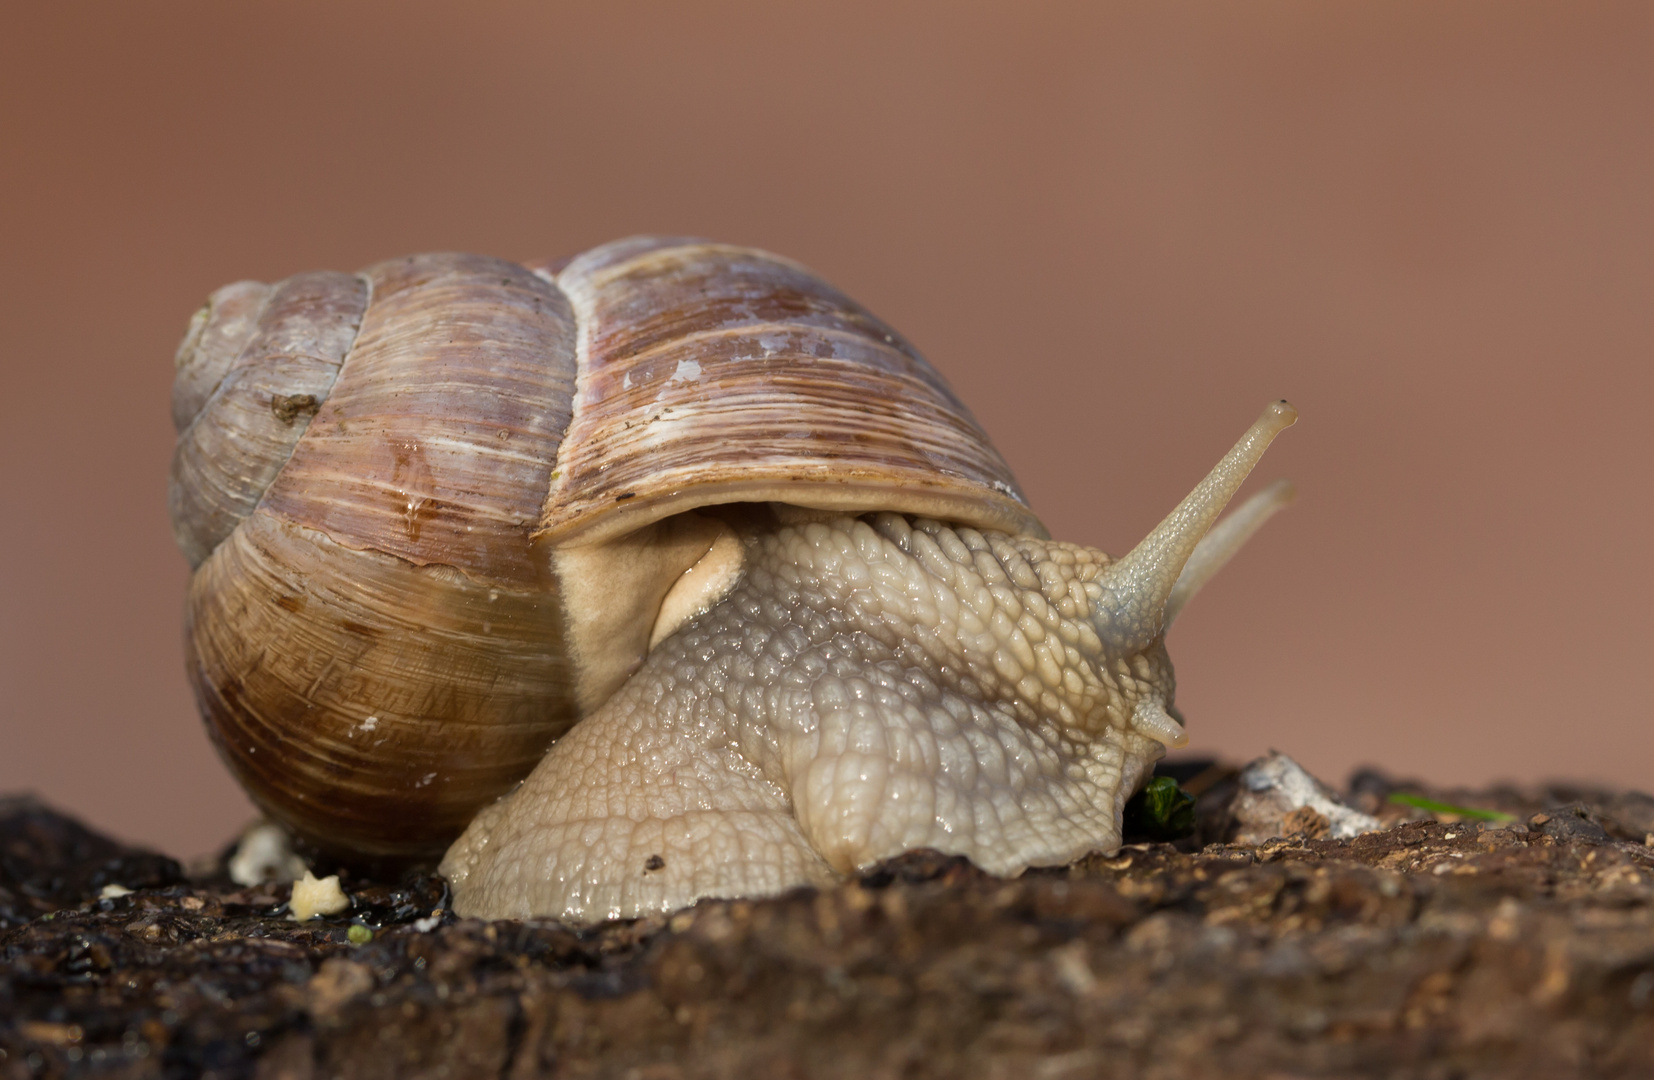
x,y
1440,947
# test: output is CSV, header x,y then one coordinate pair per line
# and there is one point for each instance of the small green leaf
x,y
1419,802
1161,811
359,934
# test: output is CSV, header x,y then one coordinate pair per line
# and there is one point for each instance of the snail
x,y
659,573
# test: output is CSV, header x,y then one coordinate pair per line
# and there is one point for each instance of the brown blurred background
x,y
1117,229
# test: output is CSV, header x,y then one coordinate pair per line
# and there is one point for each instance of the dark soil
x,y
1438,948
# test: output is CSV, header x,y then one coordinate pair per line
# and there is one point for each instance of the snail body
x,y
686,516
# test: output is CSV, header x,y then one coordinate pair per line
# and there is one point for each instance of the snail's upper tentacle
x,y
1136,602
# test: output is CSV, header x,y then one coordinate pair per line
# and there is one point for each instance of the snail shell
x,y
436,510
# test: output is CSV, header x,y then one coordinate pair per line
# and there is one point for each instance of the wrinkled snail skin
x,y
867,687
679,533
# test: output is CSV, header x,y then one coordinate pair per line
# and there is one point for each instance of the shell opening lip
x,y
626,515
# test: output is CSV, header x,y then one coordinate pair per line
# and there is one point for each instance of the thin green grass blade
x,y
1419,802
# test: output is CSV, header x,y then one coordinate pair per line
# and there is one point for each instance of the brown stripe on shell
x,y
437,442
241,437
712,373
368,704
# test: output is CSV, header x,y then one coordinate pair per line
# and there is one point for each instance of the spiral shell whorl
x,y
217,333
373,640
247,385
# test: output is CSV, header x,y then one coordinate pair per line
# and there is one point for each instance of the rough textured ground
x,y
1438,948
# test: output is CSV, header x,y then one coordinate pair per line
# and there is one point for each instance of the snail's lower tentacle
x,y
1151,718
